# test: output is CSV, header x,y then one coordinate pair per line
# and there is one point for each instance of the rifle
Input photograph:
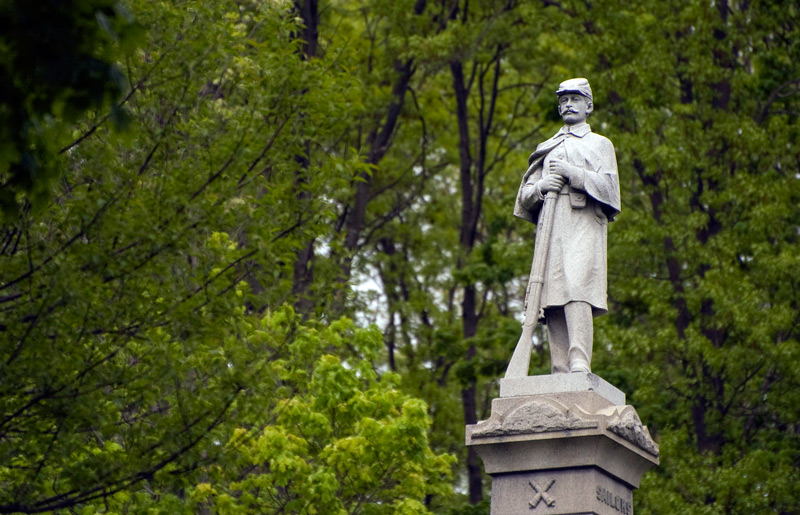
x,y
521,359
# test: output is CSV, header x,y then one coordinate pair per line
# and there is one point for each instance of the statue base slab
x,y
561,383
562,451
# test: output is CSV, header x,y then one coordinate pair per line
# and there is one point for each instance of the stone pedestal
x,y
562,444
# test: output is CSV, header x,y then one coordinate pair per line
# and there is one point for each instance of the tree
x,y
291,154
136,345
346,442
691,96
702,263
457,246
59,60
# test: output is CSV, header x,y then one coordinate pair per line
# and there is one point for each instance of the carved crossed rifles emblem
x,y
541,494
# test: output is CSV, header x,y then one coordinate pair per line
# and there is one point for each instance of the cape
x,y
589,151
576,262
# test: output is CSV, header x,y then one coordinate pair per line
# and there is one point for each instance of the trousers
x,y
571,331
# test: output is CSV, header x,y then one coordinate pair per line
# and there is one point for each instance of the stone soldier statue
x,y
581,167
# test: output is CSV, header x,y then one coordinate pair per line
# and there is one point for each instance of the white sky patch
x,y
367,285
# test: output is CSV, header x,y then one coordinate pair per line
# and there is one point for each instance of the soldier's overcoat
x,y
576,261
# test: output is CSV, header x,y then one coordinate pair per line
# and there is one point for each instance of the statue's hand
x,y
551,183
564,169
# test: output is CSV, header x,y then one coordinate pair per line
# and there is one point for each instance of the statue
x,y
571,191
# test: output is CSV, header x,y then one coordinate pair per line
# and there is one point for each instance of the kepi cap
x,y
579,85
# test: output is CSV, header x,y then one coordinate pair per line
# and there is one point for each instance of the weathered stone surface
x,y
627,425
563,453
571,192
546,413
558,492
534,417
561,383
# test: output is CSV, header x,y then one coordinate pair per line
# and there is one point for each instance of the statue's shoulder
x,y
598,140
596,137
541,150
546,143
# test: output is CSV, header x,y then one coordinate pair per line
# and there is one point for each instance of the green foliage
x,y
58,61
132,342
324,435
361,158
702,259
345,439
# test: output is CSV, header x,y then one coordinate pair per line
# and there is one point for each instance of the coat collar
x,y
580,130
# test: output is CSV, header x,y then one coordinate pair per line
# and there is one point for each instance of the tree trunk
x,y
470,210
303,276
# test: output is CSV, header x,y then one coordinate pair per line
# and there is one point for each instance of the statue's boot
x,y
570,334
581,333
558,339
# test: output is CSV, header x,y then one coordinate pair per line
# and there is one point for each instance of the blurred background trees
x,y
258,256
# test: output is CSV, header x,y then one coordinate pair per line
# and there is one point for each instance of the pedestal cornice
x,y
562,441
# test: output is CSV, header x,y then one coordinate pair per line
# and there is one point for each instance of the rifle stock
x,y
520,360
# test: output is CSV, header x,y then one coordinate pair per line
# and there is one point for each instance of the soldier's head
x,y
574,100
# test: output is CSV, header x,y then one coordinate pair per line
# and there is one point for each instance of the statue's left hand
x,y
564,169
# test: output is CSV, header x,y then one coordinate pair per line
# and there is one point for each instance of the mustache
x,y
568,110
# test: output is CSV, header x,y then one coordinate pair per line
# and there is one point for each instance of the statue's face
x,y
574,108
